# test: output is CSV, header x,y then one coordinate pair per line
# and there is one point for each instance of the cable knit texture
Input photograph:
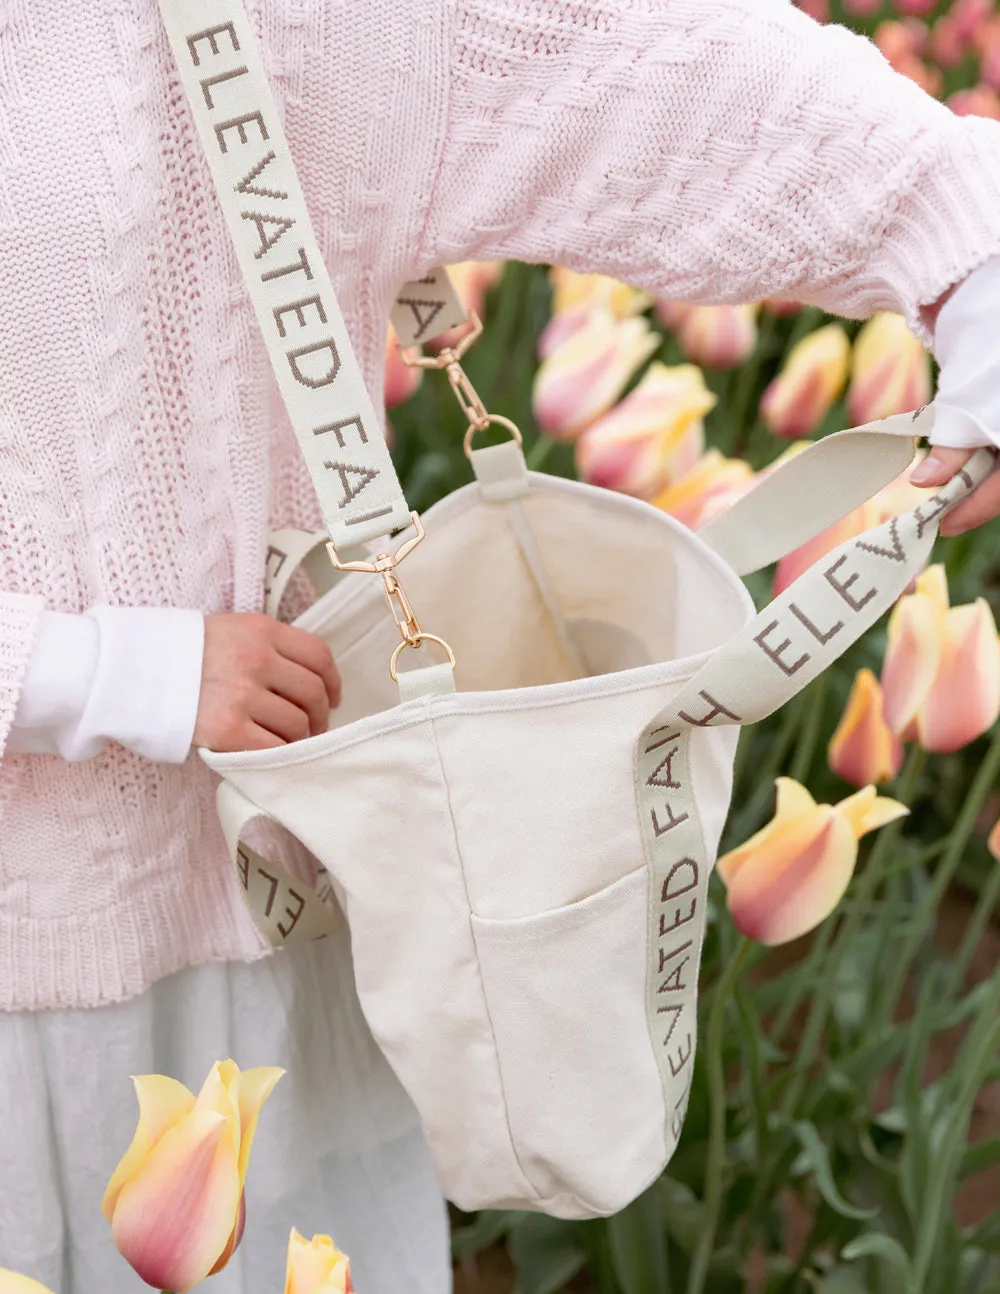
x,y
708,149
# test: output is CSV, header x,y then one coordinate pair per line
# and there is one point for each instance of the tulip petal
x,y
175,1216
254,1087
993,843
220,1092
797,881
15,1283
864,749
163,1102
965,699
315,1266
913,653
865,810
793,804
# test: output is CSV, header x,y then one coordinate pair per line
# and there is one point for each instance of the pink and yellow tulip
x,y
864,749
652,437
941,676
175,1202
791,875
401,380
572,291
706,490
583,377
813,376
13,1283
316,1267
719,336
979,101
890,371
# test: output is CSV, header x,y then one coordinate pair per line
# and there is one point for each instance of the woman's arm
x,y
708,150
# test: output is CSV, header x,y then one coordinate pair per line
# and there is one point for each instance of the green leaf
x,y
876,1244
546,1252
842,1280
638,1246
683,1213
485,1230
978,1158
816,1158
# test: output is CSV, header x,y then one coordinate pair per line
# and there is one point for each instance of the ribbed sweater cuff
x,y
947,224
19,616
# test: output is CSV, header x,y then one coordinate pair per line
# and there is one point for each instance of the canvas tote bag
x,y
520,832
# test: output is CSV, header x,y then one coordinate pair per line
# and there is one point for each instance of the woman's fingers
x,y
312,653
282,718
303,688
983,505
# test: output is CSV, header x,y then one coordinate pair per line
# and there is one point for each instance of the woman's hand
x,y
263,684
983,505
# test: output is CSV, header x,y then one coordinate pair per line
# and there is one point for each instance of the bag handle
x,y
814,489
767,662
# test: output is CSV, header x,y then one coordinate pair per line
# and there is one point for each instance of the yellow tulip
x,y
316,1267
706,490
791,875
941,675
582,378
719,336
12,1283
573,291
654,436
890,371
864,748
175,1202
812,378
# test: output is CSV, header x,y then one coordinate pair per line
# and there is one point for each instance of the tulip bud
x,y
175,1202
812,378
573,291
652,437
586,375
791,875
781,309
706,490
472,280
978,101
12,1283
316,1267
898,40
560,328
993,843
719,336
818,9
941,675
864,749
671,314
890,371
401,380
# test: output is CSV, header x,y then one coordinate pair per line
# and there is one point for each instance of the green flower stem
x,y
985,907
539,452
975,1059
717,1125
871,879
983,784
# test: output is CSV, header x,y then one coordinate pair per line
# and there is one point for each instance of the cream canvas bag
x,y
520,833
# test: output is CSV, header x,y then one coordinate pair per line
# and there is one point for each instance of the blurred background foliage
x,y
848,1139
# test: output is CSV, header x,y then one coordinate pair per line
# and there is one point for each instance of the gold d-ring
x,y
500,421
419,638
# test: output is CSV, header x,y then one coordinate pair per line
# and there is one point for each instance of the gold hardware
x,y
383,561
449,359
421,638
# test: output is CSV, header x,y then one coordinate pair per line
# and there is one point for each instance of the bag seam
x,y
479,970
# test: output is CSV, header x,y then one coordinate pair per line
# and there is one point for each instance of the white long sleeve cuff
x,y
967,345
125,674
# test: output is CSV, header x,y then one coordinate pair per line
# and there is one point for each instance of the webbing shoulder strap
x,y
314,363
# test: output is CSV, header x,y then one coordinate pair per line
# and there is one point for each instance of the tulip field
x,y
843,1135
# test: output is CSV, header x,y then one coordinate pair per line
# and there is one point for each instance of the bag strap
x,y
812,490
772,658
302,326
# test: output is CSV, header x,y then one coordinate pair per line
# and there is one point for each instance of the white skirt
x,y
338,1147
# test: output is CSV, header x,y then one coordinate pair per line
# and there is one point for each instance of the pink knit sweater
x,y
707,149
